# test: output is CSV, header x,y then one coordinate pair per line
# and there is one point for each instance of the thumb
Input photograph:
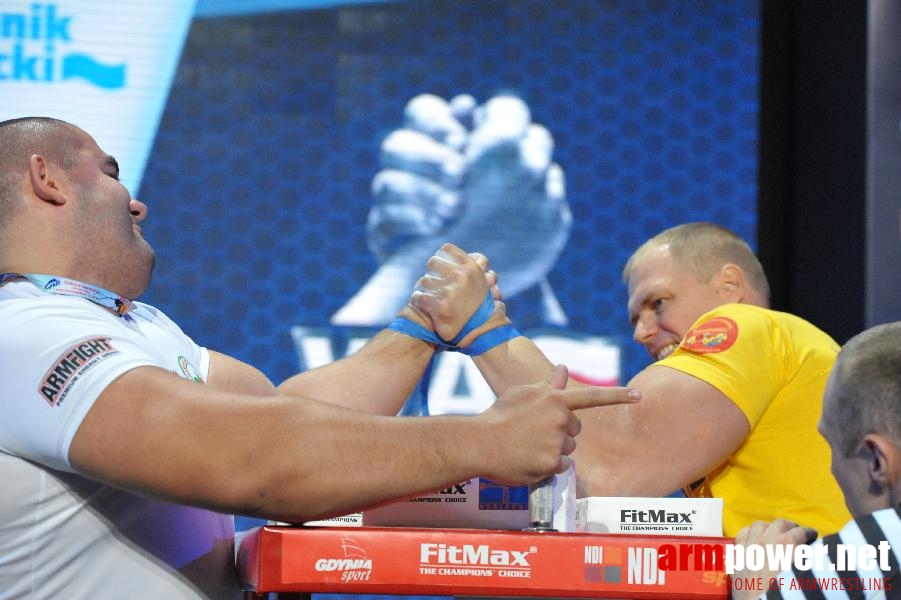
x,y
561,376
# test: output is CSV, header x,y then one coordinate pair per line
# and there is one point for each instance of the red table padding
x,y
470,562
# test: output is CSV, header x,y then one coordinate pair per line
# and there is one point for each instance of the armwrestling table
x,y
294,562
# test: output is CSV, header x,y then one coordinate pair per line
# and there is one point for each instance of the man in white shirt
x,y
125,446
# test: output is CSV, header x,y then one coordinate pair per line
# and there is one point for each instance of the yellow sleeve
x,y
741,351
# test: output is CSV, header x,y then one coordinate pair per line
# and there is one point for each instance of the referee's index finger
x,y
591,396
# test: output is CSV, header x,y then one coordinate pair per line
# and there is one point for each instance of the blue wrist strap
x,y
478,318
480,345
489,340
407,327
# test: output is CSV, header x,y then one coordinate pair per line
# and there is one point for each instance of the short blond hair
x,y
702,248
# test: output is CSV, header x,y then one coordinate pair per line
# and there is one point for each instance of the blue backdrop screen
x,y
259,182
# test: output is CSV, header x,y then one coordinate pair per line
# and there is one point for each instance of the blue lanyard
x,y
70,287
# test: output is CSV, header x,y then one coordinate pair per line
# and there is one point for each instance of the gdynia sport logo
x,y
38,46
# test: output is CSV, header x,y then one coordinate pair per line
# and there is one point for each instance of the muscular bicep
x,y
681,430
227,373
155,433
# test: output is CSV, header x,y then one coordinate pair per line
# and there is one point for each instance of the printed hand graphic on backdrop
x,y
479,176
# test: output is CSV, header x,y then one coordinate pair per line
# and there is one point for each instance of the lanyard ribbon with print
x,y
70,287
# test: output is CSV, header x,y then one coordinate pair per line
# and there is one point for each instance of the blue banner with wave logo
x,y
85,67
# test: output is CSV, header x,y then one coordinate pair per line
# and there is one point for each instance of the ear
x,y
45,185
732,282
883,461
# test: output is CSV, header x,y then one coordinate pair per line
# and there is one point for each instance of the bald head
x,y
20,138
57,140
702,249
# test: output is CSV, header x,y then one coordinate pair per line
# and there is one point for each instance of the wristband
x,y
489,340
478,318
411,328
483,343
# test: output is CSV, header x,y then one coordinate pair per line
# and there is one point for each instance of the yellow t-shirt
x,y
774,367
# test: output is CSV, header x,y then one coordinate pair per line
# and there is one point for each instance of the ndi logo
x,y
33,48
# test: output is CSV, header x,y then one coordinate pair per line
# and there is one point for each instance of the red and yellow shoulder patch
x,y
713,335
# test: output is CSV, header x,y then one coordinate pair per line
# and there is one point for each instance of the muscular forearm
x,y
355,461
376,379
515,362
607,463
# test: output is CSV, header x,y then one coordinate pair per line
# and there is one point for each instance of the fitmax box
x,y
650,516
476,503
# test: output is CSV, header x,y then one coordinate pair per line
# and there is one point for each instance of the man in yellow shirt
x,y
731,404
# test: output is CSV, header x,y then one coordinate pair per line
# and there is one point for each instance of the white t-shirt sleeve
x,y
56,359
